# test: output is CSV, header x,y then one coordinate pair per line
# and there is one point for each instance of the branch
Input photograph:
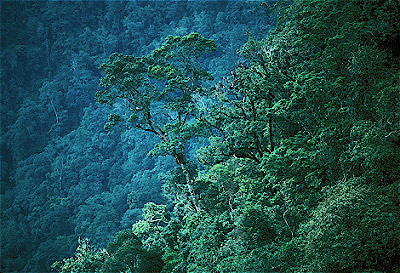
x,y
55,111
393,132
284,218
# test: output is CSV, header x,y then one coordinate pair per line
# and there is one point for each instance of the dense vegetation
x,y
283,158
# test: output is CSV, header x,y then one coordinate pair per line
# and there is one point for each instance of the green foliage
x,y
153,226
289,164
159,88
86,259
160,93
355,228
50,53
125,253
128,254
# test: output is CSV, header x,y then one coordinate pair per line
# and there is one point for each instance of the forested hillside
x,y
200,136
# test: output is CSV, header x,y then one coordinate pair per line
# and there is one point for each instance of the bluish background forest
x,y
63,175
223,136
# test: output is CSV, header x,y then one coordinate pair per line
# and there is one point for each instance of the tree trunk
x,y
180,160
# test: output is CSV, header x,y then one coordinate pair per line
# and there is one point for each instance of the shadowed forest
x,y
200,136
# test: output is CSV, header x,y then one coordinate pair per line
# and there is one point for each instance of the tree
x,y
86,259
353,229
60,168
158,93
128,253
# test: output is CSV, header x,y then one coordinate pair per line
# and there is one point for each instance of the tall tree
x,y
158,93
